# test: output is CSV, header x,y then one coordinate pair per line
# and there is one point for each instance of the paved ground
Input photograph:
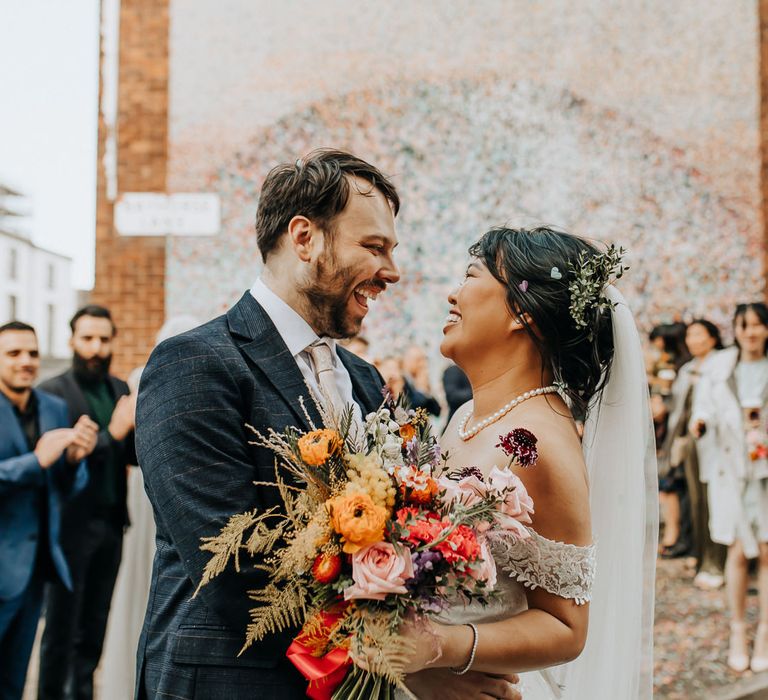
x,y
691,639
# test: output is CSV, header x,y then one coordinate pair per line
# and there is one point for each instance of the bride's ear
x,y
518,322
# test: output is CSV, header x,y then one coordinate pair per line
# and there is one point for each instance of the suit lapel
x,y
258,339
76,402
8,417
45,414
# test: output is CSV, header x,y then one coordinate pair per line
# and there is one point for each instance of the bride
x,y
543,336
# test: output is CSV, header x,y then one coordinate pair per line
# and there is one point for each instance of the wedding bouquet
x,y
373,532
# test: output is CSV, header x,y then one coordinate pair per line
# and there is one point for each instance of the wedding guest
x,y
417,387
730,403
360,346
457,389
41,465
391,370
667,354
695,458
93,521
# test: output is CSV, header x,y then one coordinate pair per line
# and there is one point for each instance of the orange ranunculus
x,y
358,520
407,432
318,446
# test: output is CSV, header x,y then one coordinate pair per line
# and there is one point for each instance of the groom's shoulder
x,y
211,339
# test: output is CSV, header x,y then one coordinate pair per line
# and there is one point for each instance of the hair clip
x,y
523,286
555,274
298,164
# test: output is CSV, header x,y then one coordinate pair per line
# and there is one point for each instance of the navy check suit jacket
x,y
198,391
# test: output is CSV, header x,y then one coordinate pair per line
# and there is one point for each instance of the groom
x,y
326,232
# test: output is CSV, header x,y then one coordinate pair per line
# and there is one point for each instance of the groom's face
x,y
355,265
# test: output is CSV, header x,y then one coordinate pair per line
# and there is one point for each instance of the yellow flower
x,y
318,446
358,520
407,432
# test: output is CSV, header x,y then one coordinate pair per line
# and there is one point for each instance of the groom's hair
x,y
316,186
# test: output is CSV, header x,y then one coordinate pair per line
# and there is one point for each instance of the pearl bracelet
x,y
475,637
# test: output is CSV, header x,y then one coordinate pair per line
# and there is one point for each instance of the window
x,y
51,276
51,327
12,307
13,263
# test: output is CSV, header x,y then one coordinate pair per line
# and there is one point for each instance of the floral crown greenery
x,y
590,275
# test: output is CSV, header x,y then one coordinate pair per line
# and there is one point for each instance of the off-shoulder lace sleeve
x,y
566,570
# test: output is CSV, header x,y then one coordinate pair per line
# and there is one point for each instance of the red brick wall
x,y
130,272
763,10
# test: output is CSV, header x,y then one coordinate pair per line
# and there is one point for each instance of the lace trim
x,y
562,569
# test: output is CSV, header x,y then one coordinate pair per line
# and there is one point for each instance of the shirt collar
x,y
291,326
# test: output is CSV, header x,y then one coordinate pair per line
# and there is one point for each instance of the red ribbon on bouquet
x,y
324,673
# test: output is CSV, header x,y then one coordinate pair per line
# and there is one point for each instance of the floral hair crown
x,y
590,275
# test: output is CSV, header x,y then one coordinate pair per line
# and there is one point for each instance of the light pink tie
x,y
322,360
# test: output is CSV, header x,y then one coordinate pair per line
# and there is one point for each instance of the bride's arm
x,y
554,629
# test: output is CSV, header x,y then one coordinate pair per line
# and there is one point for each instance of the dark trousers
x,y
710,556
75,623
18,624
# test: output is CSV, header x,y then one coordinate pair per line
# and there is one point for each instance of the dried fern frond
x,y
281,608
387,651
227,544
265,536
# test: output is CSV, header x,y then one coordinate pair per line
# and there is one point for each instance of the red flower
x,y
326,568
460,545
424,528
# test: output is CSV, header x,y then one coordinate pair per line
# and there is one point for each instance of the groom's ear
x,y
305,238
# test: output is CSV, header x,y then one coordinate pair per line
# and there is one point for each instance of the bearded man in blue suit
x,y
41,463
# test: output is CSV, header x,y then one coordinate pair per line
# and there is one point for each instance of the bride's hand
x,y
441,684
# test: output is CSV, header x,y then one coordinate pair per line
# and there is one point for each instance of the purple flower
x,y
520,444
412,452
425,562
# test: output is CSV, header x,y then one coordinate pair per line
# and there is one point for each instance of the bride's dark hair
x,y
580,356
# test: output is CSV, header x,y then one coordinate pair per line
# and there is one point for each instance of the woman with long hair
x,y
730,403
541,333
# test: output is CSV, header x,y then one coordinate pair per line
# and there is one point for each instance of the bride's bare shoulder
x,y
558,481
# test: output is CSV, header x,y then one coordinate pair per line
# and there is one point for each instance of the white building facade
x,y
36,288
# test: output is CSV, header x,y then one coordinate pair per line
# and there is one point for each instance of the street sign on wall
x,y
178,214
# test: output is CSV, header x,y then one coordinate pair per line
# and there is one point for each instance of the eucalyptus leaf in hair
x,y
590,275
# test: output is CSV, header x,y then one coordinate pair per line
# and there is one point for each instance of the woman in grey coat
x,y
730,402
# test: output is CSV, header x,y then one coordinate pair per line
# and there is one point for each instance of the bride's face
x,y
479,318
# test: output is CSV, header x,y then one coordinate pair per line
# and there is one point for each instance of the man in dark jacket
x,y
326,232
41,465
93,522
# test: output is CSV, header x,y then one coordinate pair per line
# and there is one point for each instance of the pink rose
x,y
467,491
487,568
378,570
517,506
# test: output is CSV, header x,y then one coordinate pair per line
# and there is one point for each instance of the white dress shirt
x,y
298,335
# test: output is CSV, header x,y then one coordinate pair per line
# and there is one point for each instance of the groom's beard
x,y
93,370
327,300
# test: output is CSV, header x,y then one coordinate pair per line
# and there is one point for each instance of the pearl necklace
x,y
466,434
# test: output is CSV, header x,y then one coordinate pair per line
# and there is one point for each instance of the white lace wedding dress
x,y
562,569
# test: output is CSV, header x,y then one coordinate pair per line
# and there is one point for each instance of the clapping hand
x,y
52,444
86,434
